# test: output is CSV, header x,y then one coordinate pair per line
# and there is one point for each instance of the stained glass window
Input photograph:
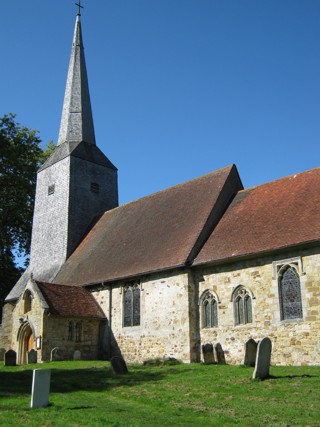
x,y
242,304
131,305
290,294
209,311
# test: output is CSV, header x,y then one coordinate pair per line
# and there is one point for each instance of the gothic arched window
x,y
131,305
290,294
209,309
78,332
242,306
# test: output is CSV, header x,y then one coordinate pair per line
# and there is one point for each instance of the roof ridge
x,y
293,175
169,188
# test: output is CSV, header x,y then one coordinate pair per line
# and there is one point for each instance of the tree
x,y
20,158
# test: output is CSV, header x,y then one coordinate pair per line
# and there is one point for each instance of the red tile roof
x,y
70,301
161,231
279,214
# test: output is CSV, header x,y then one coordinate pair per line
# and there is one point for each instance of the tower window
x,y
95,187
51,189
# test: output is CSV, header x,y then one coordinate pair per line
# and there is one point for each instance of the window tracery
x,y
209,309
242,306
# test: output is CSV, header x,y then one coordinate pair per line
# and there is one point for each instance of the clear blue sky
x,y
179,88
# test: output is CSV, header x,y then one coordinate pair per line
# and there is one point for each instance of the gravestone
x,y
32,356
2,353
208,356
263,359
118,365
219,353
77,355
55,354
10,358
40,388
250,352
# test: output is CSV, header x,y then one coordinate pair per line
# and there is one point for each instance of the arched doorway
x,y
26,341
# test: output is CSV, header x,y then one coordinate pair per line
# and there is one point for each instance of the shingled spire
x,y
76,121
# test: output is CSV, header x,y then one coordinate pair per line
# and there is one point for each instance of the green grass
x,y
87,393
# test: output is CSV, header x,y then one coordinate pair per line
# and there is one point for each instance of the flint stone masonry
x,y
10,358
208,356
263,359
250,352
164,329
32,356
40,388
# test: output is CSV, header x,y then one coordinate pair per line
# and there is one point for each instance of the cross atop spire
x,y
79,7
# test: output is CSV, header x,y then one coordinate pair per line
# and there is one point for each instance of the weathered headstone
x,y
208,356
250,352
77,355
118,365
32,356
55,354
40,388
263,359
10,358
219,353
2,353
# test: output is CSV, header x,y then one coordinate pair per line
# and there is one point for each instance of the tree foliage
x,y
20,158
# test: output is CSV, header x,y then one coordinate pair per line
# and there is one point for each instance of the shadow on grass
x,y
280,377
68,381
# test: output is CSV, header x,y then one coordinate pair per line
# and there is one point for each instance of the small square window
x,y
51,189
95,188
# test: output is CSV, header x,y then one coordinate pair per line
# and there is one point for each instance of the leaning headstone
x,y
208,356
2,353
10,358
55,354
40,388
221,360
77,355
263,359
32,356
250,352
118,365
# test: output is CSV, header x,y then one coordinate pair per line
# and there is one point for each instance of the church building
x,y
206,261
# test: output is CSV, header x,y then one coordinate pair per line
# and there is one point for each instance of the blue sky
x,y
179,88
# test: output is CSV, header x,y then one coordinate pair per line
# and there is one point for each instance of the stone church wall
x,y
164,322
6,326
295,342
57,335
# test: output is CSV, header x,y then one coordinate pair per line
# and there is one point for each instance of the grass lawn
x,y
87,393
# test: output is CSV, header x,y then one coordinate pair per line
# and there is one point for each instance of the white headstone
x,y
40,388
263,359
77,355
